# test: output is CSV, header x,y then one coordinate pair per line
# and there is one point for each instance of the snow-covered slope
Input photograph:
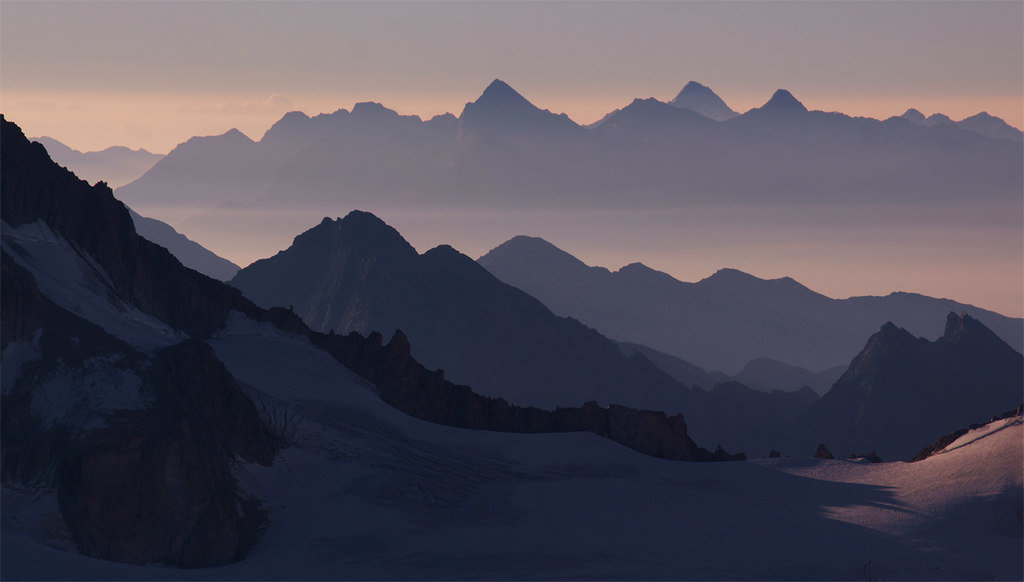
x,y
367,492
72,279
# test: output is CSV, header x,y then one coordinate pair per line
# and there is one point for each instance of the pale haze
x,y
151,75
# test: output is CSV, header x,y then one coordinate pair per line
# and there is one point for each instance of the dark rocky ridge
x,y
407,385
359,274
900,389
34,188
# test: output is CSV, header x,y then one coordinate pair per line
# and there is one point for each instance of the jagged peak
x,y
913,115
501,94
695,88
963,327
701,99
533,249
362,229
499,88
784,101
502,106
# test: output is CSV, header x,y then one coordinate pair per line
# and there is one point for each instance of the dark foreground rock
x,y
405,384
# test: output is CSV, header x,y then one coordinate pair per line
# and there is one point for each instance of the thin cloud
x,y
271,103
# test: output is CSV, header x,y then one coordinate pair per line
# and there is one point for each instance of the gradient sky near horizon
x,y
153,74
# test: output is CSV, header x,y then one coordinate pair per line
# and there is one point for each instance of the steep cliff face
x,y
146,275
155,485
138,440
139,447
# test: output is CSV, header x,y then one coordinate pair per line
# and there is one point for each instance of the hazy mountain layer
x,y
725,321
358,274
245,199
116,165
190,253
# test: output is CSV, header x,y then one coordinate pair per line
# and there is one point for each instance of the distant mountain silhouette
x,y
500,109
903,391
681,370
766,374
724,321
914,116
981,123
359,274
937,119
190,253
116,165
783,103
991,126
703,100
651,121
504,151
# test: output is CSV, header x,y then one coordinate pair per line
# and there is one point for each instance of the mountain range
x,y
116,165
358,274
154,416
725,321
119,411
504,153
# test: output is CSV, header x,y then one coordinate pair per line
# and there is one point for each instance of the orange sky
x,y
150,74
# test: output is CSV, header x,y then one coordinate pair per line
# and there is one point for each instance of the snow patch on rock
x,y
69,277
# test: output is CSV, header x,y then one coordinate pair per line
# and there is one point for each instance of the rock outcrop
x,y
405,384
948,439
156,485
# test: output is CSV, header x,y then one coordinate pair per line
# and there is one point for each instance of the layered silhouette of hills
x,y
765,373
359,274
504,151
119,412
116,165
190,253
724,321
901,387
981,123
